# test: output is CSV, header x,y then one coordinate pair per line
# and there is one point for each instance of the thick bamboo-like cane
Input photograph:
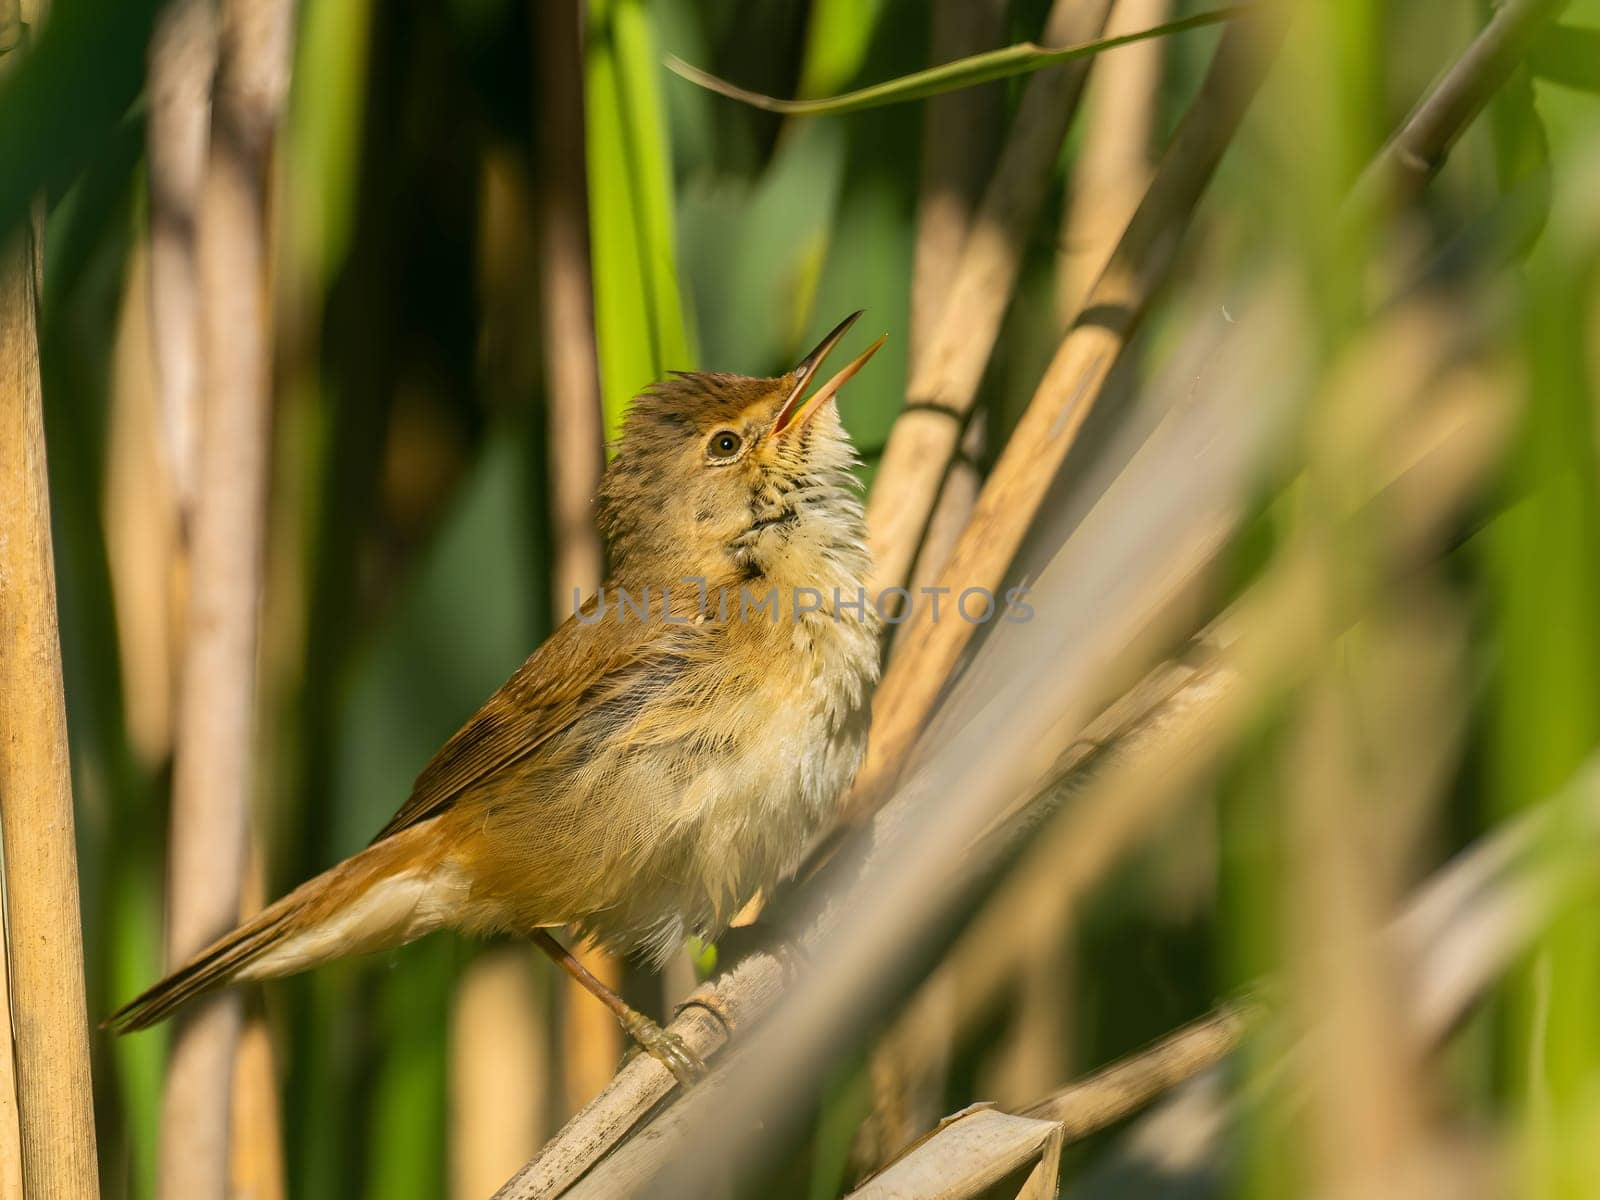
x,y
47,1138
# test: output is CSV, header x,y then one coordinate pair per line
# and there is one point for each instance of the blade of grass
x,y
639,314
1113,1092
1544,566
1020,59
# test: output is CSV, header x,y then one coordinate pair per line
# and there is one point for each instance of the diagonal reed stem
x,y
1014,491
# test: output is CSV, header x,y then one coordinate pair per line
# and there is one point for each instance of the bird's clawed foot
x,y
666,1047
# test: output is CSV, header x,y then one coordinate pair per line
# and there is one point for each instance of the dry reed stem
x,y
958,146
958,138
947,371
140,517
182,60
255,1153
1071,1114
591,1038
49,1027
1422,143
1114,1092
642,1082
255,1156
572,381
212,779
10,1124
500,1070
973,1152
1360,1070
1112,170
1048,428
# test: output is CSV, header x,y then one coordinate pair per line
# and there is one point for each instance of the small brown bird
x,y
671,748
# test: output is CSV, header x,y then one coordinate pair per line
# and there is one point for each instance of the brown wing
x,y
545,695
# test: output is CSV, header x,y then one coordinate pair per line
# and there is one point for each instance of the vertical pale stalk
x,y
10,1125
1360,1070
255,1155
182,65
571,374
216,720
958,147
139,512
500,1071
49,1026
182,61
1113,167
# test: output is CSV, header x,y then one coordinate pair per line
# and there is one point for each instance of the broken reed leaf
x,y
1020,59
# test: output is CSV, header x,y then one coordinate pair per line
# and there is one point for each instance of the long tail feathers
x,y
367,903
212,968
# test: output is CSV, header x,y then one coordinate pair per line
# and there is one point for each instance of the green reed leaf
x,y
1020,59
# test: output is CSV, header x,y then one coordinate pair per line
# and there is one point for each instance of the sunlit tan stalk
x,y
212,780
47,1135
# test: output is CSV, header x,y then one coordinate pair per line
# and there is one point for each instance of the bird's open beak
x,y
794,414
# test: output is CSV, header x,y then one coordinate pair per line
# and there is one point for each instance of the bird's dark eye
x,y
724,444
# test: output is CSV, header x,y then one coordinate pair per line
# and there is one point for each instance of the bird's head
x,y
716,470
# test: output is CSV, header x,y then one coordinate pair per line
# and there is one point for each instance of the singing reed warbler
x,y
673,746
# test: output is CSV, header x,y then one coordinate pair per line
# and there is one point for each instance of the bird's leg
x,y
661,1044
